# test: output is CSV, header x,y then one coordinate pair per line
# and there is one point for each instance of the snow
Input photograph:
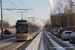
x,y
64,42
41,45
56,45
34,44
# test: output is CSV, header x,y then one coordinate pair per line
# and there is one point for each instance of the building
x,y
58,20
63,20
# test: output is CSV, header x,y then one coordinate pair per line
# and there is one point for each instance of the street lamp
x,y
6,22
42,21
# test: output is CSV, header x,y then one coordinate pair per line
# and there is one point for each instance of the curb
x,y
39,43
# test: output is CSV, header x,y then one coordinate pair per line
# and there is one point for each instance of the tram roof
x,y
27,21
21,20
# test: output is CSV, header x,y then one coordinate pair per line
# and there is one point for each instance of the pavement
x,y
7,36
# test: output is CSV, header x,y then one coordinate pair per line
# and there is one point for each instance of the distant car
x,y
7,32
66,35
60,32
72,38
47,30
55,32
52,31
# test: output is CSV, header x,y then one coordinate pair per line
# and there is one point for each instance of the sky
x,y
41,10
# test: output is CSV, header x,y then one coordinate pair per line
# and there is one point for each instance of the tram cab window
x,y
22,28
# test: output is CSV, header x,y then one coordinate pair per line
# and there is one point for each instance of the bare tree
x,y
47,24
5,24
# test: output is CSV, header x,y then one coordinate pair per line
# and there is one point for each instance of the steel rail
x,y
23,45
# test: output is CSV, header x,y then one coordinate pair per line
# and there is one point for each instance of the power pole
x,y
22,14
1,21
33,19
6,22
28,18
43,23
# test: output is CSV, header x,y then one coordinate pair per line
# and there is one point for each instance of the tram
x,y
25,30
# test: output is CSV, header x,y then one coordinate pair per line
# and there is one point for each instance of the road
x,y
10,44
9,35
7,42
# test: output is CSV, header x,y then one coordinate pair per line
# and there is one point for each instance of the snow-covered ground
x,y
41,45
64,42
35,43
56,45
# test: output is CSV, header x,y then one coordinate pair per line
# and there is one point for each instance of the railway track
x,y
22,47
16,45
60,43
47,43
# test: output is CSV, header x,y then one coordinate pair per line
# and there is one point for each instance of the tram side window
x,y
31,28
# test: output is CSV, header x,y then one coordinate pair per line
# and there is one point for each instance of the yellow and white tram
x,y
25,30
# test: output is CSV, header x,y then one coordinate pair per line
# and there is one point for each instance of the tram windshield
x,y
23,28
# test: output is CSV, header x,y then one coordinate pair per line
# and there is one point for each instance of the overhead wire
x,y
6,4
9,6
25,7
15,5
12,3
22,3
10,10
